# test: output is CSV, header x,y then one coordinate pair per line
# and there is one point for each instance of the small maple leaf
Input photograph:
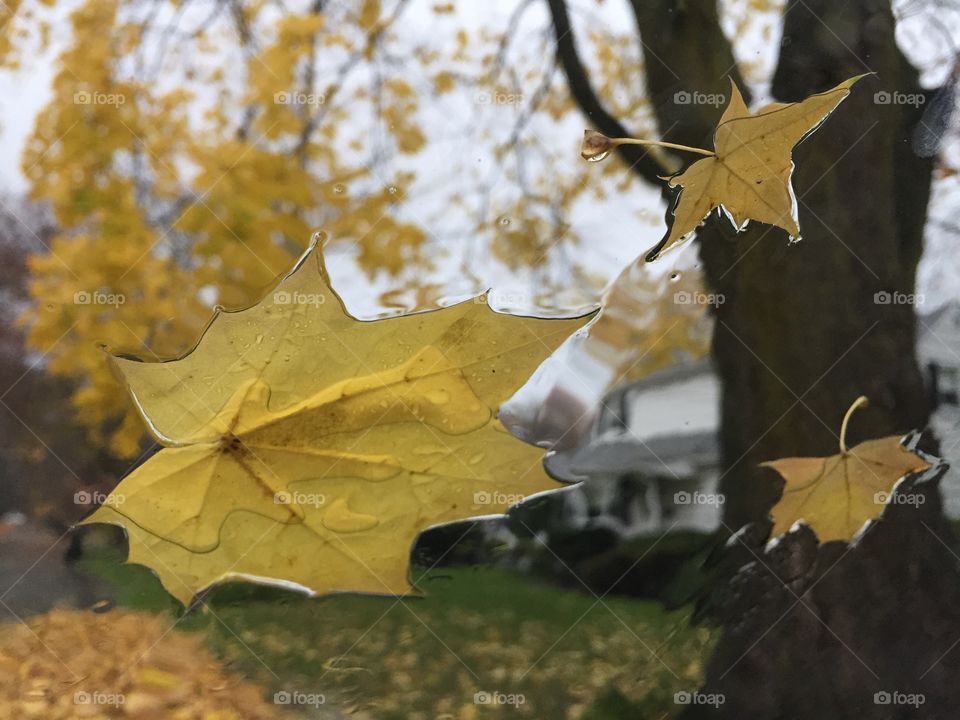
x,y
748,173
309,449
836,495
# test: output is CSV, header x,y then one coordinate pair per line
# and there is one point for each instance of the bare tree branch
x,y
582,91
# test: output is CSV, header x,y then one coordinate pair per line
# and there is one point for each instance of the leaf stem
x,y
860,402
660,143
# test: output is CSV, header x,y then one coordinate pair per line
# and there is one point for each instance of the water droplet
x,y
429,450
392,190
476,459
340,518
675,276
504,220
598,157
438,397
339,188
259,339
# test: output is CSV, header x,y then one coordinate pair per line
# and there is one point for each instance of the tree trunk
x,y
803,330
838,632
819,630
801,333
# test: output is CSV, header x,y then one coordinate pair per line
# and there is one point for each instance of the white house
x,y
652,457
938,350
652,460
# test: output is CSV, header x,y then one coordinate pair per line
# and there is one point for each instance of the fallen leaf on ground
x,y
309,449
73,664
836,495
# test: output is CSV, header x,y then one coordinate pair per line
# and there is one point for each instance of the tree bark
x,y
817,632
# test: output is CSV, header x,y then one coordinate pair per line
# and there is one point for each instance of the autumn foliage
x,y
188,158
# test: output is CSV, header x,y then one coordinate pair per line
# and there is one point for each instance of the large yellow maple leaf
x,y
310,448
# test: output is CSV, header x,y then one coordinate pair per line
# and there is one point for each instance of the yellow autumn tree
x,y
189,152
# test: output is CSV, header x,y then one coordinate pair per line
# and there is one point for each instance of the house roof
x,y
677,456
613,448
667,376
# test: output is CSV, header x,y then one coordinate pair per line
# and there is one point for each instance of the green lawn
x,y
474,631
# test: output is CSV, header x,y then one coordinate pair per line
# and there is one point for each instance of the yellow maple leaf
x,y
836,495
748,173
305,446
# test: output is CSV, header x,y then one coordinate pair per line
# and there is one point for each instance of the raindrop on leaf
x,y
438,397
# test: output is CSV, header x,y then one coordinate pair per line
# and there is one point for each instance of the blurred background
x,y
160,158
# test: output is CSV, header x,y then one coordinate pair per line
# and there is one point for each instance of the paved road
x,y
34,576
